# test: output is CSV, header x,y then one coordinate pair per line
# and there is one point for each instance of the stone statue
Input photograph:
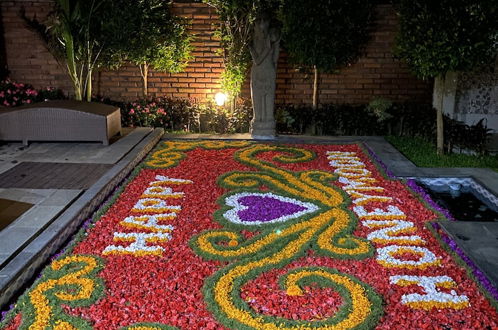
x,y
264,50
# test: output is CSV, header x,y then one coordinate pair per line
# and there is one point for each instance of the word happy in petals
x,y
392,228
156,205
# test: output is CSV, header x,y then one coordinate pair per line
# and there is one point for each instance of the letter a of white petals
x,y
139,244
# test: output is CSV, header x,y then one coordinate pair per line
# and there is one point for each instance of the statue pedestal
x,y
263,130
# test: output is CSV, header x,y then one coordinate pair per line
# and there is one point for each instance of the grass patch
x,y
423,154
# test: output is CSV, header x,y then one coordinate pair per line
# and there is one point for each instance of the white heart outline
x,y
233,200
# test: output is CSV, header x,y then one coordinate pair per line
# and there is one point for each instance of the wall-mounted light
x,y
220,98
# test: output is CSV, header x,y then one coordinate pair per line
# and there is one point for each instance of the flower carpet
x,y
240,235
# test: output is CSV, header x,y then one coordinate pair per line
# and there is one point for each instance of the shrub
x,y
50,93
380,108
145,113
381,117
329,119
14,94
185,115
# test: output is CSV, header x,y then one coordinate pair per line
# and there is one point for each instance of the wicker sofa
x,y
60,121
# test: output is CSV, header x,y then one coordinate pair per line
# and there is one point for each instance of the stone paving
x,y
28,242
22,253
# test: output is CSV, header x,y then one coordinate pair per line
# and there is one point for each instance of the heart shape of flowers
x,y
252,208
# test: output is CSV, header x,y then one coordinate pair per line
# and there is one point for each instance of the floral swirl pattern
x,y
170,153
70,281
327,230
220,234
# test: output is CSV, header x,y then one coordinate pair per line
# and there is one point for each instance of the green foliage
x,y
235,34
234,75
83,34
401,119
173,56
329,119
155,36
89,35
284,118
436,37
423,154
327,34
184,115
379,107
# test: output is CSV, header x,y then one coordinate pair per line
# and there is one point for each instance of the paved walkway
x,y
59,210
66,183
40,175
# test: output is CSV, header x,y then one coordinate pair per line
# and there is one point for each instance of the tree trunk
x,y
89,85
78,95
233,102
440,132
315,88
439,115
144,71
72,67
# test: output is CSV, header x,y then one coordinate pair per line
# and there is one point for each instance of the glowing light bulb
x,y
220,98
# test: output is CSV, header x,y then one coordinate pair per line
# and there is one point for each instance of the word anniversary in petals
x,y
393,229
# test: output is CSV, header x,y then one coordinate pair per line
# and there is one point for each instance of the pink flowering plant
x,y
185,115
145,113
14,94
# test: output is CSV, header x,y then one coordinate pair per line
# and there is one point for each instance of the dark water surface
x,y
462,204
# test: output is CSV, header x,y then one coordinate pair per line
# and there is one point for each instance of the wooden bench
x,y
60,121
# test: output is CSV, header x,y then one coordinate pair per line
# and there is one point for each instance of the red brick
x,y
213,86
377,73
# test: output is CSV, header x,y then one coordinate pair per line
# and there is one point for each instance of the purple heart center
x,y
266,208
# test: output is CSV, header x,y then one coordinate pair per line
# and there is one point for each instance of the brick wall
x,y
200,79
28,59
376,74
